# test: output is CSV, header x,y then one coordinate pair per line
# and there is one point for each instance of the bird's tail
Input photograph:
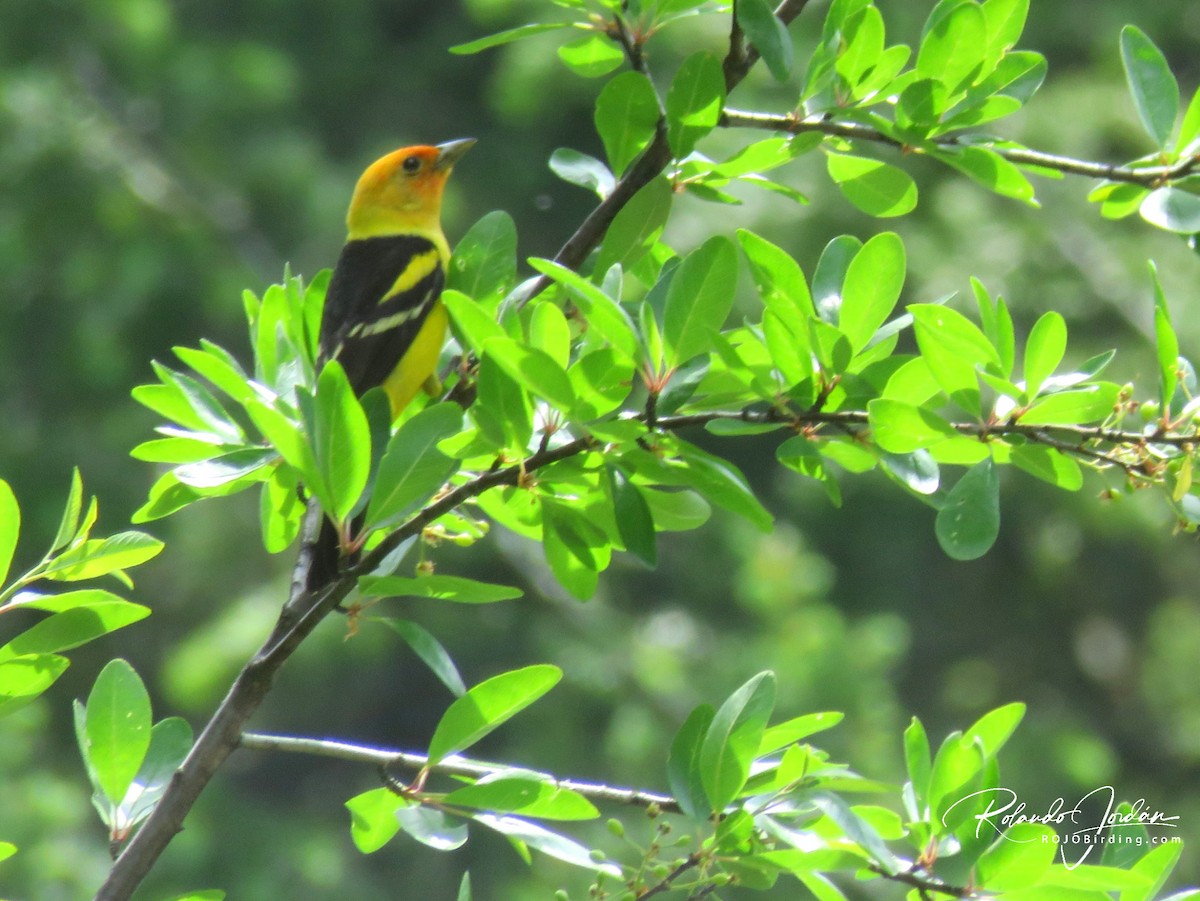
x,y
326,560
326,557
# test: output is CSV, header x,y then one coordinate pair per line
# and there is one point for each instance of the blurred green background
x,y
158,157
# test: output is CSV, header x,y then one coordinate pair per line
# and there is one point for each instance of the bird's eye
x,y
412,164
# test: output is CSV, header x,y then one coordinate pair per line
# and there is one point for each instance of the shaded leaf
x,y
1154,89
969,521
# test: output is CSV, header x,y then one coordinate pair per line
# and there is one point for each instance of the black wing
x,y
366,326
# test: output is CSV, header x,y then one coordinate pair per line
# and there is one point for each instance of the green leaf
x,y
1048,464
954,44
602,381
67,526
506,37
74,627
626,117
533,369
101,556
876,188
863,45
733,738
873,283
699,299
591,56
24,678
780,281
226,468
636,228
1094,403
487,706
575,548
724,484
216,365
768,35
901,428
373,820
920,107
857,829
1189,129
957,763
412,468
170,742
441,587
470,320
583,170
1166,344
484,264
116,732
603,314
283,434
677,511
434,828
1172,209
280,512
830,274
917,758
341,441
1155,866
1044,350
431,652
502,409
694,102
524,835
635,524
969,521
797,728
524,795
10,526
1005,22
765,155
995,727
683,764
954,348
1154,89
989,169
1017,859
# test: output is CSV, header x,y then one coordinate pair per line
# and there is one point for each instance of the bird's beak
x,y
452,151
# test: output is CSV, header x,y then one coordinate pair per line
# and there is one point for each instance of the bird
x,y
383,319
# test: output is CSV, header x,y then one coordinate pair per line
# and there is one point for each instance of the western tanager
x,y
383,319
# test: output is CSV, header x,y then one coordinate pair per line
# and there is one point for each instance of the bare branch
x,y
453,766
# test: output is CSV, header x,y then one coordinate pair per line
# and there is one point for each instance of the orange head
x,y
402,192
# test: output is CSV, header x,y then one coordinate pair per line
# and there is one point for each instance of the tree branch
x,y
303,612
1147,176
455,765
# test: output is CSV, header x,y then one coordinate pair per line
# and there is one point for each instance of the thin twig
x,y
1147,176
452,766
665,885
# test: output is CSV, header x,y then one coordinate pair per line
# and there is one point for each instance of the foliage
x,y
32,661
569,400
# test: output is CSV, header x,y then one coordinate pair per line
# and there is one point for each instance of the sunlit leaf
x,y
487,706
